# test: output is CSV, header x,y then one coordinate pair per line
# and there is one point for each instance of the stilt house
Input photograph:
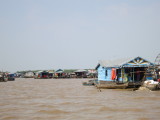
x,y
124,70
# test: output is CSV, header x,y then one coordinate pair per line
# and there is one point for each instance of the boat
x,y
111,85
90,83
152,85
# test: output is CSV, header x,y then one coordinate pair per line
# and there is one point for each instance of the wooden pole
x,y
121,74
133,74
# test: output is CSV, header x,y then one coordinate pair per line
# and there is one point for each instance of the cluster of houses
x,y
45,74
124,73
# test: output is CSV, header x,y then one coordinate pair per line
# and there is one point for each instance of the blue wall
x,y
102,73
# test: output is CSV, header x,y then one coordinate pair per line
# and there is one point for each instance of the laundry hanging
x,y
113,74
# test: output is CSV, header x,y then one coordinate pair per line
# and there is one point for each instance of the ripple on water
x,y
10,118
109,109
143,119
146,98
54,111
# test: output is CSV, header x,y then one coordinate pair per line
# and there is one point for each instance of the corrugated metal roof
x,y
118,62
114,63
59,71
81,70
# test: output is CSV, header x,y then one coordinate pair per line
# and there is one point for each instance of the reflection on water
x,y
67,99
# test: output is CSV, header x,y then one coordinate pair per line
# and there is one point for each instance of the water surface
x,y
67,99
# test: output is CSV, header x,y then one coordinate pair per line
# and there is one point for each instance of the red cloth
x,y
113,74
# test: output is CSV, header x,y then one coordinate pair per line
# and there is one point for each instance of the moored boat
x,y
111,85
152,85
89,83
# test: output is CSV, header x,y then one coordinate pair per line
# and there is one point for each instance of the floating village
x,y
49,74
135,73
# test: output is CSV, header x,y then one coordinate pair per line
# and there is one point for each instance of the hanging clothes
x,y
113,74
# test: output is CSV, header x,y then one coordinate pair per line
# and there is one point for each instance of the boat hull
x,y
111,85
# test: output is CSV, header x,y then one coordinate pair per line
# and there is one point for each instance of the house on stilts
x,y
122,73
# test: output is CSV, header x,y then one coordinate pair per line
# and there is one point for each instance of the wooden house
x,y
59,73
51,73
131,71
29,74
81,73
42,75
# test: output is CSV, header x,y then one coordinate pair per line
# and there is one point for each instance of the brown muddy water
x,y
67,99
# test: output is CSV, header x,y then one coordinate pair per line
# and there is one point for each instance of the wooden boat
x,y
111,85
89,83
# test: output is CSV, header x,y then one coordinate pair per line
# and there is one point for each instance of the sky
x,y
76,34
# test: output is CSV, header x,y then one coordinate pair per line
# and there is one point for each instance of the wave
x,y
53,112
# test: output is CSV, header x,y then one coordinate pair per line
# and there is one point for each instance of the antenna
x,y
157,66
157,61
